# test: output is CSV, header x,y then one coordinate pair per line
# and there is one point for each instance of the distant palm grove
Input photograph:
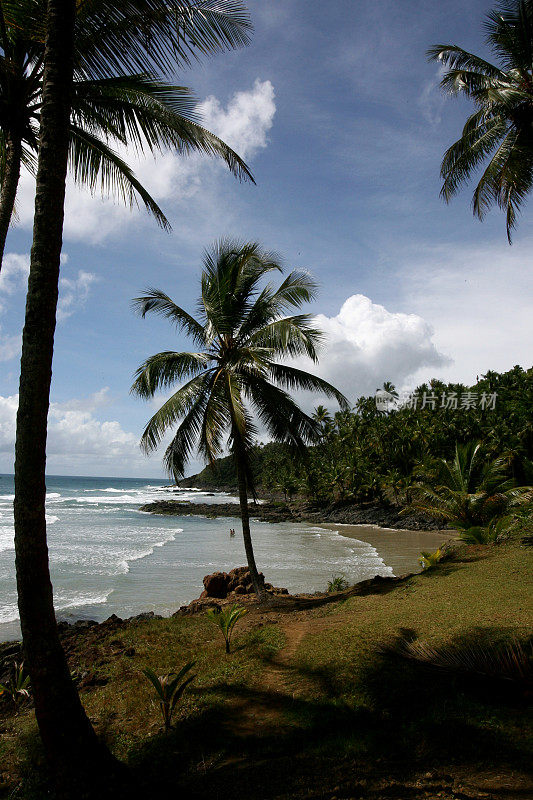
x,y
366,454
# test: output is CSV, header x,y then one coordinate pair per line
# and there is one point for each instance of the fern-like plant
x,y
488,534
428,560
17,688
337,584
509,661
226,619
169,689
469,490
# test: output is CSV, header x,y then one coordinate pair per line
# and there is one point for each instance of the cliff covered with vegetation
x,y
369,455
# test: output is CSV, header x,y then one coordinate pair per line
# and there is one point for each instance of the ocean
x,y
107,557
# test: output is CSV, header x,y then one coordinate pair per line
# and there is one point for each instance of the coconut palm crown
x,y
118,97
243,334
500,131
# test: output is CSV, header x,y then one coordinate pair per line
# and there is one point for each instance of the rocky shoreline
x,y
220,589
347,514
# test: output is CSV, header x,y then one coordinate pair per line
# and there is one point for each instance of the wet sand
x,y
399,549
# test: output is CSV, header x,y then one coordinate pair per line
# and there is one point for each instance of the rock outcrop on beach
x,y
237,582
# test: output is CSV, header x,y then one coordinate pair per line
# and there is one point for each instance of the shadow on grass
x,y
373,731
395,720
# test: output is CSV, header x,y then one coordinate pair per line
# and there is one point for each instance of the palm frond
x,y
161,35
291,336
297,379
470,150
454,57
157,302
500,129
281,416
216,422
297,288
150,113
93,161
192,395
164,369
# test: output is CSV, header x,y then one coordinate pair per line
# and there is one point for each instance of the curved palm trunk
x,y
9,188
70,742
259,588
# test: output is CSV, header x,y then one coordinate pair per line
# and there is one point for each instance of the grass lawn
x,y
312,703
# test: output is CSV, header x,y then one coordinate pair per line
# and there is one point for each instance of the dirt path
x,y
279,673
281,683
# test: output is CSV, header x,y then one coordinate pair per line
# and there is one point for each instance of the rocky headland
x,y
386,516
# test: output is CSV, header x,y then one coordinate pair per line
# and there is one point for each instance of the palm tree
x,y
500,129
324,419
68,737
242,334
469,491
109,106
139,39
389,387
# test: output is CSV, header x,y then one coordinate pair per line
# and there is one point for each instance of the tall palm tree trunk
x,y
69,740
257,583
9,188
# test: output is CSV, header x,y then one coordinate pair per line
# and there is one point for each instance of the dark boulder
x,y
216,585
222,584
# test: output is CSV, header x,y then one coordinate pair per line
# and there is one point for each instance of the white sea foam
x,y
7,533
106,497
9,612
62,600
7,538
137,556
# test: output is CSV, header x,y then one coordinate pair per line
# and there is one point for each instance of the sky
x,y
339,115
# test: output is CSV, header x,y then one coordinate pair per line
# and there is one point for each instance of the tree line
x,y
370,455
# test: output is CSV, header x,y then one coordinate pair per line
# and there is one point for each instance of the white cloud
x,y
14,273
77,438
73,293
96,400
366,344
170,178
8,416
13,278
431,99
478,300
245,122
10,346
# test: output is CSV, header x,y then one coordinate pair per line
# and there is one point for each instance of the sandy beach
x,y
399,549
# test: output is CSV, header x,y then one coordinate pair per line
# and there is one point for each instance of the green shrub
x,y
169,689
338,584
226,619
428,560
17,688
488,534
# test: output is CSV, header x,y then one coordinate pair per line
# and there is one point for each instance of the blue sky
x,y
340,117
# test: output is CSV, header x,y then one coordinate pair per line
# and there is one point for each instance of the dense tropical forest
x,y
369,454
